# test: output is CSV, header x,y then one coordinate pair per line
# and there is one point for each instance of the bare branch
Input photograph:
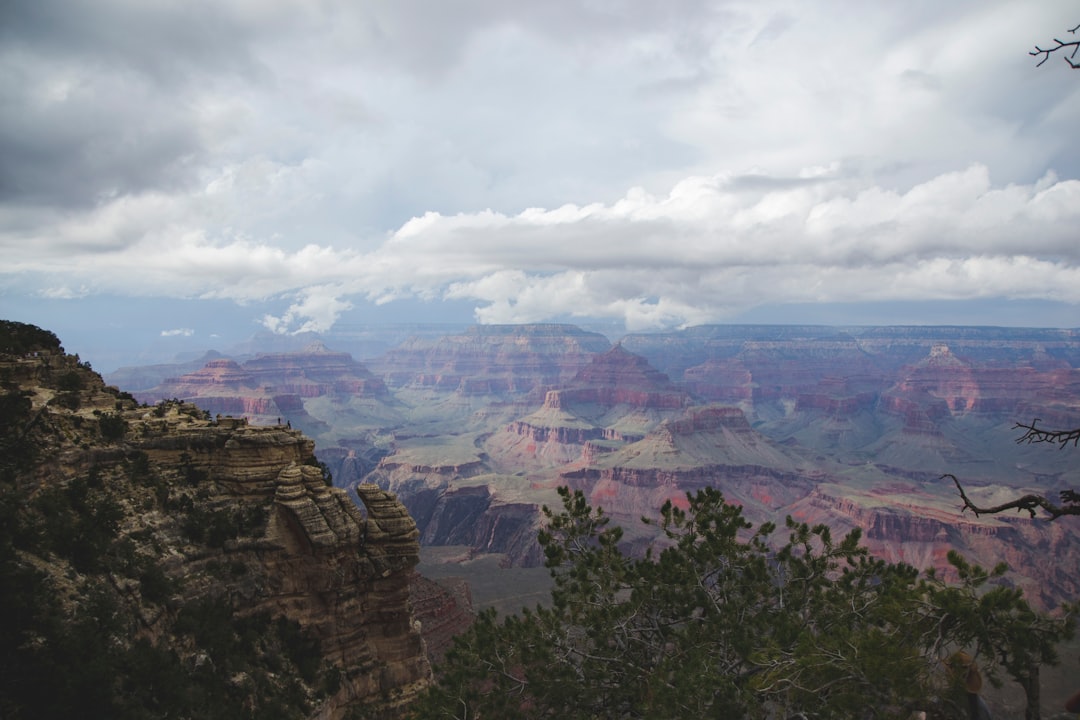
x,y
1030,503
1035,434
1069,58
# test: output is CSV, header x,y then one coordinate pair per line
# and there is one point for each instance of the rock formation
x,y
478,427
493,359
213,513
271,388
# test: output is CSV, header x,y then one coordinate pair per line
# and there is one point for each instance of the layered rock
x,y
314,372
136,378
231,516
919,524
707,447
343,576
271,388
460,501
493,359
620,377
582,411
487,421
444,609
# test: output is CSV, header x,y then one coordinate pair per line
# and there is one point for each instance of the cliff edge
x,y
235,581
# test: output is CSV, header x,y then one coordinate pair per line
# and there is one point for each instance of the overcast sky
x,y
185,169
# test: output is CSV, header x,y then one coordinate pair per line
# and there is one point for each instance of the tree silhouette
x,y
1070,499
1069,57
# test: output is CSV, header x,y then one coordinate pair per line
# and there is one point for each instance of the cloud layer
x,y
663,166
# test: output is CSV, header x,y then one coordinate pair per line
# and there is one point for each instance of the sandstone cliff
x,y
917,523
616,397
271,386
182,522
493,359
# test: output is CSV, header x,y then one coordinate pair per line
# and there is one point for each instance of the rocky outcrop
x,y
560,435
444,610
229,514
706,447
321,562
137,378
451,506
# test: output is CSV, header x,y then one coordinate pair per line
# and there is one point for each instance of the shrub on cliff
x,y
18,338
719,624
112,426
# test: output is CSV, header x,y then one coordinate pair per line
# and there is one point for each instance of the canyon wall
x,y
220,514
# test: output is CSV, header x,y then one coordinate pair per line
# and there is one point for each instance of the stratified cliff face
x,y
271,387
706,447
445,610
493,359
584,411
208,515
314,372
465,505
620,377
913,523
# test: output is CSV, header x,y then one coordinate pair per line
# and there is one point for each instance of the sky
x,y
197,172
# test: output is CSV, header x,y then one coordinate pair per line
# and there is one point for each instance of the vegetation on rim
x,y
716,623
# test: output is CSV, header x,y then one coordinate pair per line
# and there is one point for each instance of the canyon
x,y
853,427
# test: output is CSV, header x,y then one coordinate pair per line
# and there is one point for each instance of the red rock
x,y
271,387
486,359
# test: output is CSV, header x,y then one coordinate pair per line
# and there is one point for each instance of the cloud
x,y
316,311
64,292
662,164
178,332
708,249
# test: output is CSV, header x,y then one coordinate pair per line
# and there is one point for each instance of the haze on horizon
x,y
197,173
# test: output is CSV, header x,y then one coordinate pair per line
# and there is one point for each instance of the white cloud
x,y
701,252
178,332
316,311
64,292
660,164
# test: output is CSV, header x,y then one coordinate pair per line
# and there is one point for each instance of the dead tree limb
x,y
1070,499
1035,434
1069,57
1030,503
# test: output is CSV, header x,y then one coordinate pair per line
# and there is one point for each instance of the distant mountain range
x,y
849,426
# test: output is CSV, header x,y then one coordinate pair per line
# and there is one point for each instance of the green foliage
x,y
16,451
216,527
70,381
67,400
193,475
18,338
59,662
113,427
327,476
79,595
138,471
716,622
77,522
